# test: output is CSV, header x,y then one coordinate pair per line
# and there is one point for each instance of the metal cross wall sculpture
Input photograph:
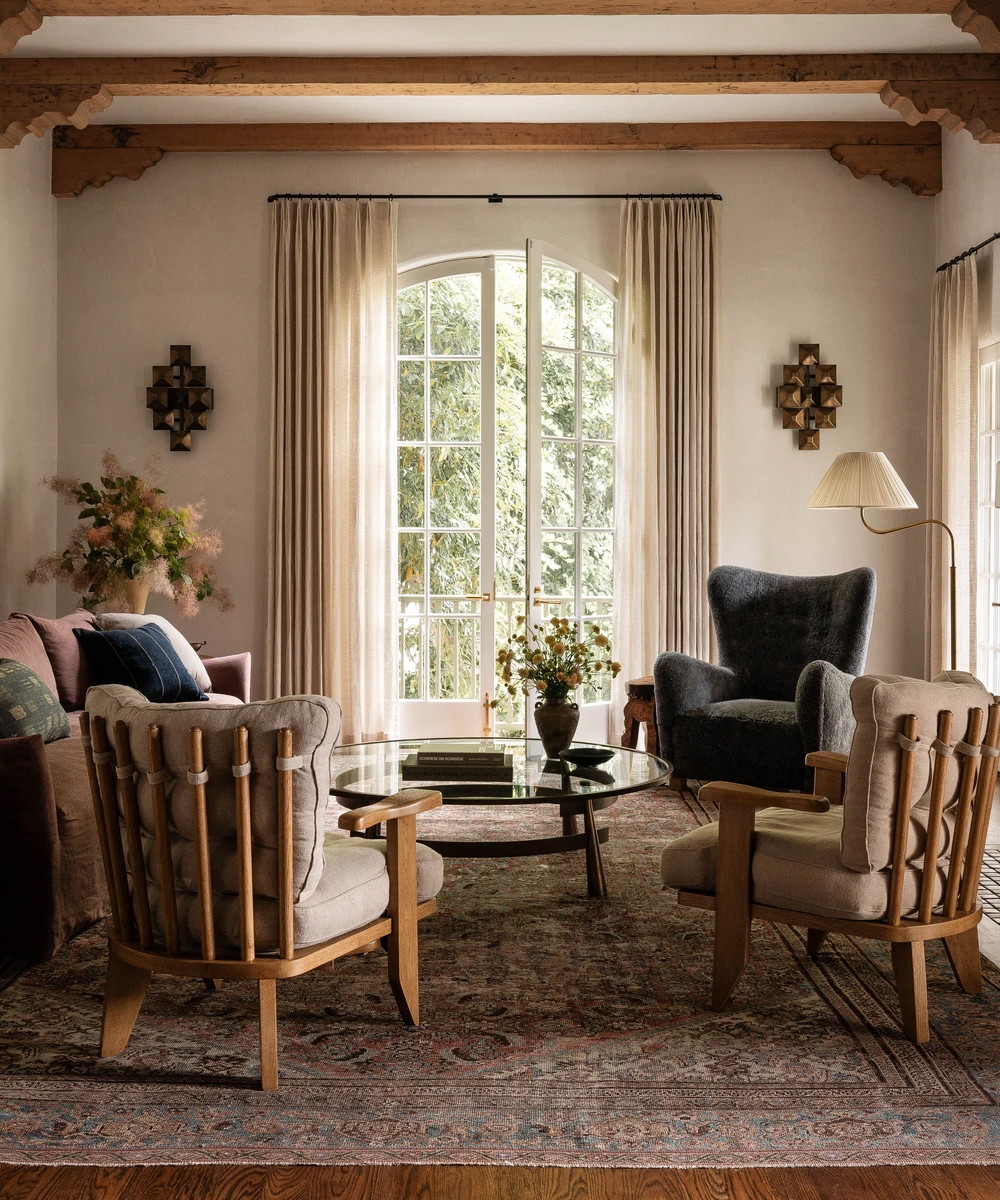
x,y
809,396
179,399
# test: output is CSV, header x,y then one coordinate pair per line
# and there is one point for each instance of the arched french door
x,y
506,475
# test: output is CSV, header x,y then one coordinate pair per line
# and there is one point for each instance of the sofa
x,y
51,878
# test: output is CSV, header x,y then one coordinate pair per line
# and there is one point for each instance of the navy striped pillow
x,y
140,658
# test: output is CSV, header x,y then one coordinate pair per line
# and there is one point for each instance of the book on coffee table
x,y
462,753
413,769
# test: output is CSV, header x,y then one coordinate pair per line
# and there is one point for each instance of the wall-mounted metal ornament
x,y
809,396
179,399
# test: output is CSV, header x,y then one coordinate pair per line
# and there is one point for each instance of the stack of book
x,y
465,762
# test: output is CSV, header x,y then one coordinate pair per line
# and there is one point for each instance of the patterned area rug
x,y
557,1030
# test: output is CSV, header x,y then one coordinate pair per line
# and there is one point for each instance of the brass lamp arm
x,y
951,540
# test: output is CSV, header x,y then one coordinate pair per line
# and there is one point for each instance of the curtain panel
x,y
666,496
331,592
952,475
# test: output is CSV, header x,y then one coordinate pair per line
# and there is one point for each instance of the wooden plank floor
x,y
496,1183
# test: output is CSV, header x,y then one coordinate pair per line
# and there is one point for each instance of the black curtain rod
x,y
496,197
965,253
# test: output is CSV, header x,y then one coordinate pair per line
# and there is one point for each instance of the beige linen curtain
x,y
952,477
666,497
331,628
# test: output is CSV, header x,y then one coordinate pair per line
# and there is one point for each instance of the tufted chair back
x,y
226,816
769,627
914,778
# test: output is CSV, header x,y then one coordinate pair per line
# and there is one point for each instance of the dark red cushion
x,y
72,675
19,640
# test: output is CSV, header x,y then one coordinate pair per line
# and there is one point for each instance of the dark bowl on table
x,y
587,756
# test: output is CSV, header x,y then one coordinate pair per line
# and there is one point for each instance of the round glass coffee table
x,y
367,772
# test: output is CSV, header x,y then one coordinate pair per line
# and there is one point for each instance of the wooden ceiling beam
x,y
479,8
491,135
36,93
458,75
899,153
979,18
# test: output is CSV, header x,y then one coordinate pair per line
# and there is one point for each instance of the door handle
x,y
539,600
485,597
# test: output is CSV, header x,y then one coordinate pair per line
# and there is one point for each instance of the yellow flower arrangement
x,y
547,659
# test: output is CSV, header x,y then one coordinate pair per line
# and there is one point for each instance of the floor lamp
x,y
866,479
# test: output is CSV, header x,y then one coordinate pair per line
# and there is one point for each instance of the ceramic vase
x,y
136,593
556,723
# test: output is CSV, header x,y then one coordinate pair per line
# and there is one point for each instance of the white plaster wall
x,y
28,398
809,254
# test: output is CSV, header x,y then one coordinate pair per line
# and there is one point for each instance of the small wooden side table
x,y
639,710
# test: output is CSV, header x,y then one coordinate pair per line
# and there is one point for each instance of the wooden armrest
x,y
403,804
827,760
751,797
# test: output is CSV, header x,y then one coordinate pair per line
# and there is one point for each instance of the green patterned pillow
x,y
27,704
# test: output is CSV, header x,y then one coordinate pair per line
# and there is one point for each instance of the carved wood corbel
x,y
971,106
917,167
983,21
74,170
36,108
17,19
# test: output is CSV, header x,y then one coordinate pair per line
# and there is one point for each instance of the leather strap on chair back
x,y
223,824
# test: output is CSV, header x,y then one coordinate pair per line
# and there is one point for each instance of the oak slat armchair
x,y
211,827
892,851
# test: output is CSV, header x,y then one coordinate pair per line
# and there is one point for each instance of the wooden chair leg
x,y
732,901
403,955
268,1001
814,940
910,968
124,991
732,953
677,782
963,954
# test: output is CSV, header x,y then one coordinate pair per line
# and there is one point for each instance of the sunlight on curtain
x,y
667,488
952,475
331,624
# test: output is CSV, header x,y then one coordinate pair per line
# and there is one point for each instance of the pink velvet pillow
x,y
68,664
20,641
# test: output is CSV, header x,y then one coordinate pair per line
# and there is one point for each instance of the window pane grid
x,y
444,345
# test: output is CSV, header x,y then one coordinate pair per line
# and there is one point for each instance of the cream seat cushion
x,y
355,887
796,865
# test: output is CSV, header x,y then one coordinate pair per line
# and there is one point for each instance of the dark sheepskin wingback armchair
x,y
789,647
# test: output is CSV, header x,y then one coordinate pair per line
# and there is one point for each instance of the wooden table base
x,y
589,841
639,713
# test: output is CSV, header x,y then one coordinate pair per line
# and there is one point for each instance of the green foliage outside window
x,y
440,486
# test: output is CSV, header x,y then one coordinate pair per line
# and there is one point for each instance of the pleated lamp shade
x,y
861,479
